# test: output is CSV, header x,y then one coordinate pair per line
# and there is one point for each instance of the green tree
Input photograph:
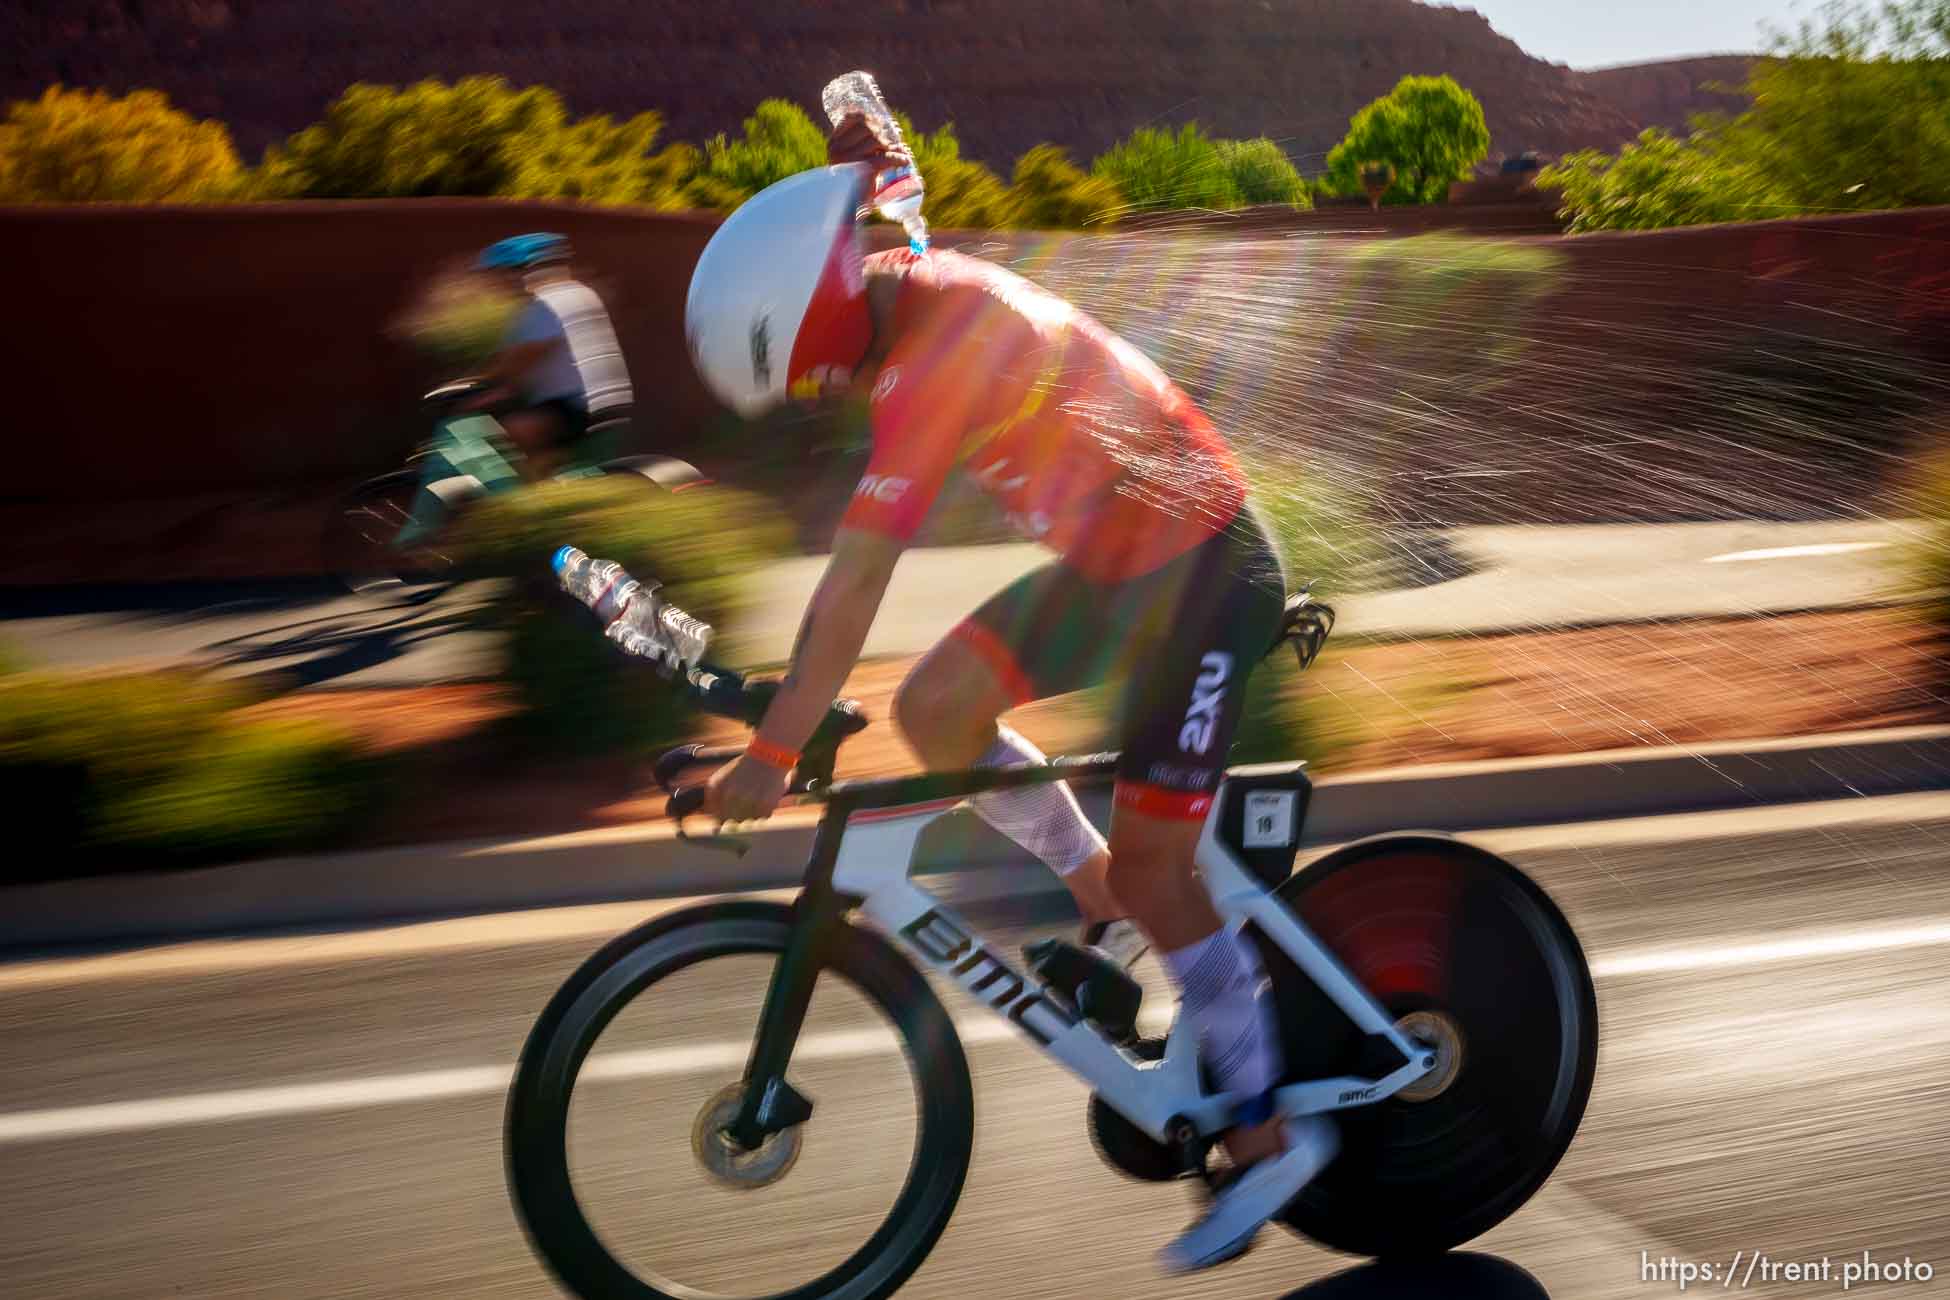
x,y
1052,193
85,146
780,140
1157,169
1429,129
1851,112
479,136
1262,173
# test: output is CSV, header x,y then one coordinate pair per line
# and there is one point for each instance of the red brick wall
x,y
169,351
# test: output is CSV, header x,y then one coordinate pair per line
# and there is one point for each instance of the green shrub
x,y
479,136
780,140
1290,714
1052,193
1662,180
576,691
1929,554
1262,173
126,726
1155,169
265,786
86,146
133,770
1438,276
961,194
1460,305
1321,529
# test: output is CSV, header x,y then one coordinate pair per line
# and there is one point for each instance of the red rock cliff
x,y
1009,74
1671,94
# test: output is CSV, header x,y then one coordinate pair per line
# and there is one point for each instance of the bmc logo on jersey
x,y
884,488
1202,718
884,385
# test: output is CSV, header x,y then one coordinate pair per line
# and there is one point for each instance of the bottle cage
x,y
1306,623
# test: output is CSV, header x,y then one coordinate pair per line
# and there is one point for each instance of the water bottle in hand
x,y
897,190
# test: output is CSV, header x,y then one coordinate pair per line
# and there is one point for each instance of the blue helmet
x,y
523,251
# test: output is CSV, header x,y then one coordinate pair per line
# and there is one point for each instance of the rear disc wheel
x,y
1478,966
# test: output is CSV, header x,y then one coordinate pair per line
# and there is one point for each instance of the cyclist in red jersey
x,y
1164,579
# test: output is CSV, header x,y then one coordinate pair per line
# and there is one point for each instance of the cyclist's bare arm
x,y
510,366
830,638
831,634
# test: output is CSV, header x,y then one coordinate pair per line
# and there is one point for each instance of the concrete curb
x,y
647,861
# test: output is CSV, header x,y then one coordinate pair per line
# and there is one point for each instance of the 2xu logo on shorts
x,y
1208,693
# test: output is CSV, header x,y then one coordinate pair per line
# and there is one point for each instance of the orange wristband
x,y
771,755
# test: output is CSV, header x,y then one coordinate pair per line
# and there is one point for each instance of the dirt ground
x,y
1364,707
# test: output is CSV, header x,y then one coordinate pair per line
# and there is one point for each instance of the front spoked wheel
x,y
618,1157
357,542
1478,965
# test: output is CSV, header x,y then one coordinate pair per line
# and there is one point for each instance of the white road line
x,y
1805,948
697,1058
430,1085
1794,552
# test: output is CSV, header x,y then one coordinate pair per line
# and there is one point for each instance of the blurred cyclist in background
x,y
1164,580
560,363
558,372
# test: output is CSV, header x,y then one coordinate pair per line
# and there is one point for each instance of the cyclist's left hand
x,y
744,790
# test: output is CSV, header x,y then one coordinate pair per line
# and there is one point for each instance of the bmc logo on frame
x,y
884,488
1202,718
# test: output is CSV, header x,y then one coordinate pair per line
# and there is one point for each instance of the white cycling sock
x,y
1044,819
1223,991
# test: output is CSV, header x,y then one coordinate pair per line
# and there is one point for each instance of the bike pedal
x,y
1101,991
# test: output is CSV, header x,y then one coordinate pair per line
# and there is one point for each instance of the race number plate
x,y
1269,819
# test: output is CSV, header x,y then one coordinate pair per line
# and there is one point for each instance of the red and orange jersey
x,y
1082,440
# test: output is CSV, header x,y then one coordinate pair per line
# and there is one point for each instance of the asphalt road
x,y
1480,580
314,1116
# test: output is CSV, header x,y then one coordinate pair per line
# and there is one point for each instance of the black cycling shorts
x,y
1180,640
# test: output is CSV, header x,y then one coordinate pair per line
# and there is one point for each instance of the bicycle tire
x,y
538,1102
1432,924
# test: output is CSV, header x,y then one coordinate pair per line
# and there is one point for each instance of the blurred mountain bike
x,y
366,543
750,1097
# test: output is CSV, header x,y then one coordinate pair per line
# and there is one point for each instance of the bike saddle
x,y
458,390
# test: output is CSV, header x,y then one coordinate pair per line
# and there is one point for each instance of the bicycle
x,y
1428,993
358,538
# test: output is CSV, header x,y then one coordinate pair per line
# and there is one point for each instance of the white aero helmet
x,y
778,300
